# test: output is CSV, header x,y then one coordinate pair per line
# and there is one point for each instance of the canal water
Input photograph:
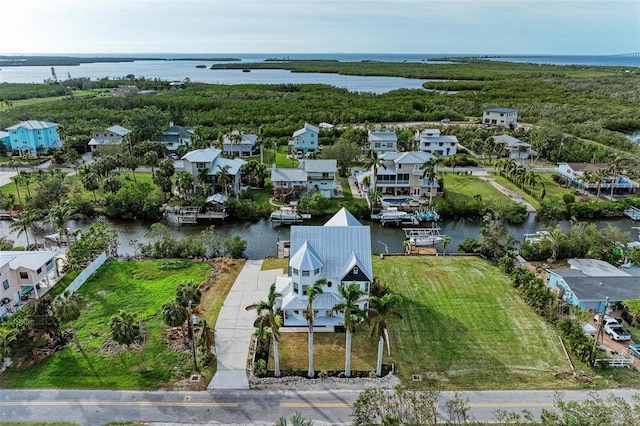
x,y
262,236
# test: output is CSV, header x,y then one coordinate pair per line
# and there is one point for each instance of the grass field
x,y
467,186
136,287
464,327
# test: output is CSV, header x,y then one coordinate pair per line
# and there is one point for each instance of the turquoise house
x,y
32,136
304,140
4,139
590,282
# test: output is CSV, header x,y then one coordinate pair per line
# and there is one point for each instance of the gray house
x,y
239,144
175,137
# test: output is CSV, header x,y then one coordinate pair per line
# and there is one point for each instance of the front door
x,y
416,192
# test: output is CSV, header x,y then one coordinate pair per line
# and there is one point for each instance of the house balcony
x,y
389,183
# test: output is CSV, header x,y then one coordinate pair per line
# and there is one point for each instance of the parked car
x,y
607,320
445,120
634,348
616,332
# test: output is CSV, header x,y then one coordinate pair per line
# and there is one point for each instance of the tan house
x,y
23,274
402,175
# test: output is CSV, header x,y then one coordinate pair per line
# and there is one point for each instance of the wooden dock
x,y
422,250
632,213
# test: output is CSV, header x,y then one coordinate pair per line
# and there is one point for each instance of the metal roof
x,y
324,166
439,138
234,165
26,259
500,109
510,141
306,258
288,175
597,268
202,155
382,135
343,218
323,302
335,245
246,139
410,157
588,288
119,130
33,125
307,127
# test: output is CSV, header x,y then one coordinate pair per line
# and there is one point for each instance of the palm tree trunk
x,y
347,359
26,234
380,352
311,371
276,358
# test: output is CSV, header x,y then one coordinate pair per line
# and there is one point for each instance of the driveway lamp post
x,y
192,321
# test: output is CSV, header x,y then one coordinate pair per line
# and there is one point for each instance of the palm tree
x,y
429,170
206,340
224,177
445,242
175,315
18,180
59,217
381,311
296,420
587,179
352,296
188,294
531,178
24,222
125,328
267,318
90,183
366,182
203,175
600,176
615,166
453,162
373,162
66,308
313,291
184,181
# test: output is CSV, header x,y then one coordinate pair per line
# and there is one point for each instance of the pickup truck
x,y
607,320
616,332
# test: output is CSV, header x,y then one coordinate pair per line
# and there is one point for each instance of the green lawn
x,y
468,186
136,287
554,191
465,327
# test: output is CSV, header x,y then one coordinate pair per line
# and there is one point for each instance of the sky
x,y
584,27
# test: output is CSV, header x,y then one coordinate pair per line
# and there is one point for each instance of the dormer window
x,y
295,271
356,271
316,271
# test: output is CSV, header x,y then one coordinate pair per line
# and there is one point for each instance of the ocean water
x,y
178,70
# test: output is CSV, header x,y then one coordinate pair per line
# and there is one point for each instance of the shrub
x,y
569,198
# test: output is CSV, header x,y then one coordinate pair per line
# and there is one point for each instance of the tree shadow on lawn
x,y
440,349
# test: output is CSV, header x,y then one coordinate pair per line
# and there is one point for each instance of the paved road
x,y
240,407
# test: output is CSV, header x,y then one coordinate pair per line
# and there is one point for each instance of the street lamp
x,y
192,321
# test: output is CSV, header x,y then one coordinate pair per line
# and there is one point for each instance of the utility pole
x,y
192,321
598,333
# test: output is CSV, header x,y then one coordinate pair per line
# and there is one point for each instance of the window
x,y
24,276
201,165
49,262
316,271
39,270
306,273
356,271
329,284
295,288
5,284
295,271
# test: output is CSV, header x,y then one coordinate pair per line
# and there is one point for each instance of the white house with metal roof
x,y
23,274
340,252
304,140
589,282
383,140
212,160
402,175
113,136
574,173
239,144
175,137
498,116
431,141
310,175
514,148
31,136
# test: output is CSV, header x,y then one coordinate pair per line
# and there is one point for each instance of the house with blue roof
x,y
32,136
498,116
212,160
175,137
304,140
340,252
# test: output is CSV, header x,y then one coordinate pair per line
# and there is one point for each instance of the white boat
x,y
537,236
393,215
423,237
287,215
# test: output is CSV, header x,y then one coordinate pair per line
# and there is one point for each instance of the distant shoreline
x,y
18,61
